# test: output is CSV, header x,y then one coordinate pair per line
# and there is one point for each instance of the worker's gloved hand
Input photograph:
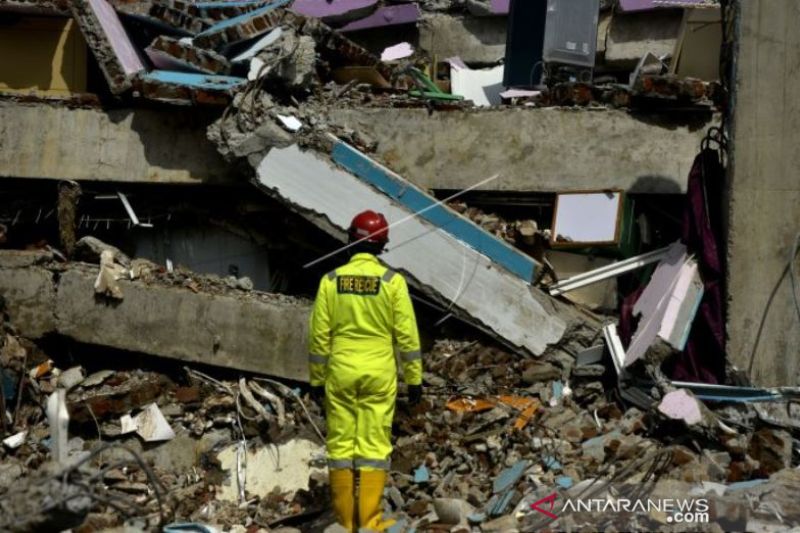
x,y
318,394
414,395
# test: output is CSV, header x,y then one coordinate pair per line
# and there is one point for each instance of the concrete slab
x,y
248,334
284,467
167,145
385,16
632,35
474,40
546,150
188,87
462,279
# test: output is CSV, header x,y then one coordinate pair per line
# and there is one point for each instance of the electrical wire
x,y
793,276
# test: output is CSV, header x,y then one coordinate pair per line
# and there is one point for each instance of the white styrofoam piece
x,y
682,306
398,51
16,440
652,304
432,259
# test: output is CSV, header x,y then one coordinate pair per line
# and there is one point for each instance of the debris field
x,y
153,353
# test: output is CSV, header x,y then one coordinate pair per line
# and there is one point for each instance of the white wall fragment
x,y
482,86
286,467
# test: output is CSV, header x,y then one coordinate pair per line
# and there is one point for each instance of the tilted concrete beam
x,y
442,264
534,150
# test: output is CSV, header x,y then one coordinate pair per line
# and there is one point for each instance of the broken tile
x,y
772,448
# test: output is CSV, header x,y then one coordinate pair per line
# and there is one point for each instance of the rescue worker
x,y
362,310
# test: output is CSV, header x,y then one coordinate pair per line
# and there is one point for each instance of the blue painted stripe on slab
x,y
200,81
244,17
416,200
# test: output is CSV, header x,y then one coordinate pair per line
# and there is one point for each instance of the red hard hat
x,y
371,225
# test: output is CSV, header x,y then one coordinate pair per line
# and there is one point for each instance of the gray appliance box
x,y
570,35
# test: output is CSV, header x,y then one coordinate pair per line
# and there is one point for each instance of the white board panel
x,y
587,217
430,258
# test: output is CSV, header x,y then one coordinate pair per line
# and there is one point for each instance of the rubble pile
x,y
498,433
119,419
115,265
522,233
553,409
495,434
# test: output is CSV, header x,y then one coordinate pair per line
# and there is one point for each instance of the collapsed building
x,y
604,262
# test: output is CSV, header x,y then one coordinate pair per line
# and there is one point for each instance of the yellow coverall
x,y
362,310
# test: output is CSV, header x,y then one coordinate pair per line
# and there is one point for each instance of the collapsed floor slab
x,y
550,149
119,145
451,272
246,331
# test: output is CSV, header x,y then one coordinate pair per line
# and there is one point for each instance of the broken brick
x,y
538,371
187,394
165,12
772,448
169,50
241,28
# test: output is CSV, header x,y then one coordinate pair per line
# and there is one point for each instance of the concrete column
x,y
763,323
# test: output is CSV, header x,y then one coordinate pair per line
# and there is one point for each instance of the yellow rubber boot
x,y
342,496
370,497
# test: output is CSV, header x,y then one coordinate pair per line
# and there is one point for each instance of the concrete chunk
x,y
531,155
110,44
30,296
